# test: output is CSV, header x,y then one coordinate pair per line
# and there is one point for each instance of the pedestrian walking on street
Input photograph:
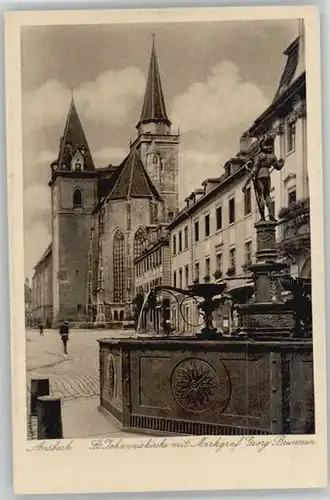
x,y
41,328
64,332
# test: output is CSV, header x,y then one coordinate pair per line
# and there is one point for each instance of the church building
x,y
100,215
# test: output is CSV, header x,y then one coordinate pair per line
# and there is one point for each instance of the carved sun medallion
x,y
194,384
111,375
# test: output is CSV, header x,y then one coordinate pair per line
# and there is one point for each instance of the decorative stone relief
x,y
273,287
277,321
194,385
111,376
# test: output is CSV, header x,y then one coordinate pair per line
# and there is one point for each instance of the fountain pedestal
x,y
267,315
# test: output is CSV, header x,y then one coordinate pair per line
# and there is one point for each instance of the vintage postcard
x,y
166,243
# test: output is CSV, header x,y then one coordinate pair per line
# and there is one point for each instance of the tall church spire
x,y
74,139
154,109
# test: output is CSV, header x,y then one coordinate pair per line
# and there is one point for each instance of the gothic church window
x,y
118,266
138,241
77,198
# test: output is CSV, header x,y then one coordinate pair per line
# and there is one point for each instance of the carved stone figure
x,y
262,164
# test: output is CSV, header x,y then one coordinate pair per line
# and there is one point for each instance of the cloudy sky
x,y
217,78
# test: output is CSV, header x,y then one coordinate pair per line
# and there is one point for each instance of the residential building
x,y
28,303
218,221
152,268
42,288
219,218
286,121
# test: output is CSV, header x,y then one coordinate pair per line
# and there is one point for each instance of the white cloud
x,y
45,106
111,96
194,167
212,114
107,99
222,102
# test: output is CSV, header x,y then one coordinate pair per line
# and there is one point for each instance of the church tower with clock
x,y
157,145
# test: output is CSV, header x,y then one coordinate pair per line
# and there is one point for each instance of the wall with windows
x,y
118,252
220,237
220,243
291,183
42,292
152,268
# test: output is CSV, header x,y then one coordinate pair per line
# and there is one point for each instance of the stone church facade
x,y
100,215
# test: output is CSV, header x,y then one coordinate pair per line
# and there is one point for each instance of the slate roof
x,y
154,108
44,256
75,136
130,180
292,53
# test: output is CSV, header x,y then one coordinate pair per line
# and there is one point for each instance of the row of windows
x,y
149,262
183,239
181,277
144,289
183,242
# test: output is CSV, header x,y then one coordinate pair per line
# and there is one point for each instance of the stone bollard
x,y
49,418
39,387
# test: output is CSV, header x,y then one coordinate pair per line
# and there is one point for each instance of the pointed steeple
x,y
74,139
154,109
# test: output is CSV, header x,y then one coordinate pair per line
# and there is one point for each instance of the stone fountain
x,y
259,381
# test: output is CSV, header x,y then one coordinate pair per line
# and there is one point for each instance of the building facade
x,y
213,237
42,290
152,268
99,214
286,121
28,304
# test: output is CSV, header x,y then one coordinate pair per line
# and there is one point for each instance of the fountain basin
x,y
167,386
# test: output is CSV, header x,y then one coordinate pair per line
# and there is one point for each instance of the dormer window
x,y
77,162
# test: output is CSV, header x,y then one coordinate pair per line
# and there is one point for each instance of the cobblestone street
x,y
73,377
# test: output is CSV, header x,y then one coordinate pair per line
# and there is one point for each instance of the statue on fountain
x,y
262,164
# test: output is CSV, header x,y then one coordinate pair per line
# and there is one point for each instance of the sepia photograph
x,y
167,235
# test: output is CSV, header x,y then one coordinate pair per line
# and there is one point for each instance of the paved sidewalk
x,y
82,419
74,378
39,355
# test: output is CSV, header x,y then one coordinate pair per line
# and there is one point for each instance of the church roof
x,y
131,180
74,136
44,256
154,108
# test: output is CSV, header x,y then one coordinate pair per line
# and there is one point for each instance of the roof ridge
x,y
131,174
121,166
